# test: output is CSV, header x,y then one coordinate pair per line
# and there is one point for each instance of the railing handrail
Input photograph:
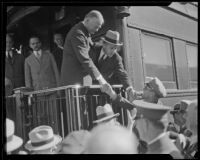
x,y
65,87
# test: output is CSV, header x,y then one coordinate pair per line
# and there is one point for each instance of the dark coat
x,y
58,56
14,70
111,68
77,64
164,145
43,73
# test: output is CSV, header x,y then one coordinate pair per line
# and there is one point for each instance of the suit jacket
x,y
111,68
164,145
14,70
43,73
76,62
58,56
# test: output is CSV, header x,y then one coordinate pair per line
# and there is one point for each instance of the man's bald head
x,y
93,21
111,140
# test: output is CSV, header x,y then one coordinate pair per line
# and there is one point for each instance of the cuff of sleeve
x,y
101,79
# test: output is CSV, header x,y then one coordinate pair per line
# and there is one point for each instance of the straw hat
x,y
104,113
112,37
13,141
42,138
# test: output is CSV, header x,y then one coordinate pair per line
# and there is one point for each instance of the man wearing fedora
x,y
110,64
43,140
152,123
13,142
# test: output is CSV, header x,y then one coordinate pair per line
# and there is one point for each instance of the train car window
x,y
157,53
192,64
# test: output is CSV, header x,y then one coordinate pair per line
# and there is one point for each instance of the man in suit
x,y
109,62
14,76
151,123
76,64
41,73
58,50
40,67
14,67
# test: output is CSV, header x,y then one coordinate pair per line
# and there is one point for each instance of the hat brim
x,y
14,144
116,44
106,118
57,140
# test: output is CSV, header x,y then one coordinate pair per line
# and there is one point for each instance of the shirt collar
x,y
10,53
35,52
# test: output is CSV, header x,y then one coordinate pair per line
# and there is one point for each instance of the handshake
x,y
106,88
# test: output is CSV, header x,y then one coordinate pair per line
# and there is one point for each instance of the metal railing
x,y
65,109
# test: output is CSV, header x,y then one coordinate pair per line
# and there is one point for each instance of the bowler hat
x,y
42,138
150,111
112,37
13,142
157,86
104,113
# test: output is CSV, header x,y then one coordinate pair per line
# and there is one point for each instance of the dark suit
x,y
43,73
76,62
58,56
14,70
111,68
163,145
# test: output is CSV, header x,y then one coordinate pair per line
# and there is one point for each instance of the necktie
x,y
38,54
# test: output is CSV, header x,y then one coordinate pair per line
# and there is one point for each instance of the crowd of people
x,y
77,60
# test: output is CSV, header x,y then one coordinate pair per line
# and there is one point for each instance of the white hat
x,y
13,141
104,113
42,138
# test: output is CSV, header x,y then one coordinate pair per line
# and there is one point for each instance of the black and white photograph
x,y
100,79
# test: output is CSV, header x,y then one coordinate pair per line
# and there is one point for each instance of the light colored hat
x,y
151,111
75,142
42,138
182,106
157,86
112,37
104,113
13,141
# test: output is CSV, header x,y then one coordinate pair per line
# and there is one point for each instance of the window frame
x,y
169,85
191,83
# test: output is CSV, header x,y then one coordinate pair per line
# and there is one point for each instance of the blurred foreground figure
x,y
111,140
75,142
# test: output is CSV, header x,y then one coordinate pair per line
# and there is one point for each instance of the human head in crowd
x,y
9,42
93,21
43,141
58,39
151,119
153,90
35,43
13,142
179,112
106,116
75,142
111,140
192,120
111,42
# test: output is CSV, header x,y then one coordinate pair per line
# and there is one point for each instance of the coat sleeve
x,y
55,69
27,71
121,73
81,49
123,103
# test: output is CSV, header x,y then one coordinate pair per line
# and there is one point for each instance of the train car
x,y
159,41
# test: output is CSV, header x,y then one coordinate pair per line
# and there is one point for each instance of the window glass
x,y
157,58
